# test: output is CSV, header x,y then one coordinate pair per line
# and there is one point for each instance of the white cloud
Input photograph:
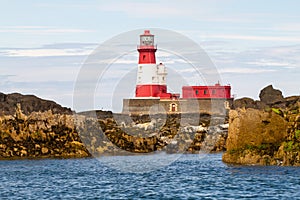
x,y
164,9
270,58
244,70
280,56
271,63
45,52
255,37
42,74
145,9
41,30
288,27
286,51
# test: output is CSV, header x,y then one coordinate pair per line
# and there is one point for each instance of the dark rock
x,y
260,105
100,114
270,96
244,103
29,104
292,101
2,97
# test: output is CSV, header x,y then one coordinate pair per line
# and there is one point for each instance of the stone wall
x,y
146,106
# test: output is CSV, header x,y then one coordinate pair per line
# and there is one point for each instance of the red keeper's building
x,y
206,92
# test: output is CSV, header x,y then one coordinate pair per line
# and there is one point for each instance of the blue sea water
x,y
188,177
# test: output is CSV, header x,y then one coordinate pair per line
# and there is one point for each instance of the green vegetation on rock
x,y
297,134
291,146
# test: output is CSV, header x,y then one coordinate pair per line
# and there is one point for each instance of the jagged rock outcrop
x,y
39,135
270,96
30,103
267,135
244,103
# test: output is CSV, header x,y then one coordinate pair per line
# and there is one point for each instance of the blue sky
x,y
43,44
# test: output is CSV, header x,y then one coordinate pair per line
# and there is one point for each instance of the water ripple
x,y
187,178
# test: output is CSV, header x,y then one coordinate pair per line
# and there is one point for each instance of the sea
x,y
160,176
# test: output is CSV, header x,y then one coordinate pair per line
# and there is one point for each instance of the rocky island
x,y
31,127
263,132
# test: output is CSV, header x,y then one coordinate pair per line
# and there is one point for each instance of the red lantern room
x,y
147,49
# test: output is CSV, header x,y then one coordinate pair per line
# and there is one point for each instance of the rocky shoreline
x,y
145,135
46,134
265,132
39,135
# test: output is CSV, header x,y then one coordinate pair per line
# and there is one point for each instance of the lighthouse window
x,y
141,67
197,92
205,91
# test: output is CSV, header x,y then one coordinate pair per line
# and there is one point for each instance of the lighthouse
x,y
151,77
151,89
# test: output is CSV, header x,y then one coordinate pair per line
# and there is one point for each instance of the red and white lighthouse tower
x,y
151,77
